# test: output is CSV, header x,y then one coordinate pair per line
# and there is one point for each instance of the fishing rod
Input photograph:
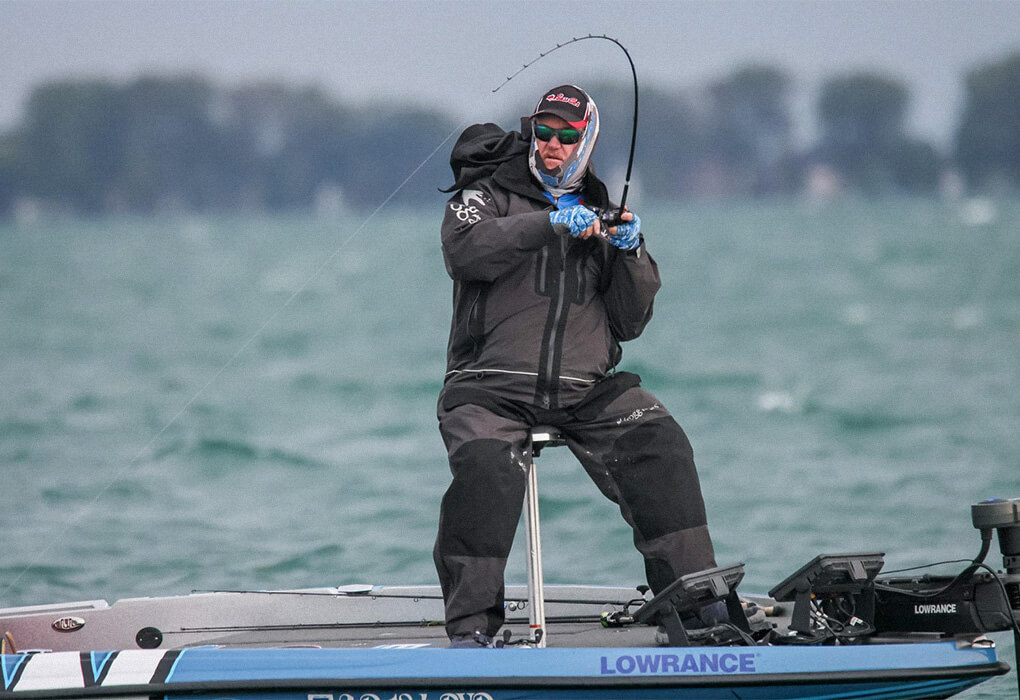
x,y
610,216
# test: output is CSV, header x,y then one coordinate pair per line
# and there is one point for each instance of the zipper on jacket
x,y
561,293
474,332
543,264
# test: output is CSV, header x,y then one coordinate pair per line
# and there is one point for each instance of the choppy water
x,y
217,403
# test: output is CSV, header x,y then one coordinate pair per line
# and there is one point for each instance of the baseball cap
x,y
567,102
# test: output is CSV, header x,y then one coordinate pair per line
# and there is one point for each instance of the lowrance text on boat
x,y
694,662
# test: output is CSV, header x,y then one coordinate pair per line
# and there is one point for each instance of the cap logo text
x,y
560,97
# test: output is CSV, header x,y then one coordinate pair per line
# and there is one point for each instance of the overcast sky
x,y
452,54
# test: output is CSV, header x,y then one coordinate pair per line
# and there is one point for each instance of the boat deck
x,y
385,641
341,617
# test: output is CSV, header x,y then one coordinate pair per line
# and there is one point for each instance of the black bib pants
x,y
628,443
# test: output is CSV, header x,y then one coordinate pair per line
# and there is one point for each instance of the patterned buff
x,y
567,177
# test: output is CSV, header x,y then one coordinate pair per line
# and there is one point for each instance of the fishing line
x,y
88,507
85,510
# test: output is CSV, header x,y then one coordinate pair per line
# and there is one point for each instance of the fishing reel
x,y
609,217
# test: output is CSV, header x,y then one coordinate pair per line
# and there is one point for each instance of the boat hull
x,y
903,671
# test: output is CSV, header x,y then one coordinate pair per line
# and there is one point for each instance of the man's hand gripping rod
x,y
610,216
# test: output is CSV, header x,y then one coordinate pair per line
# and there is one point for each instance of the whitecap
x,y
979,211
968,317
856,314
778,402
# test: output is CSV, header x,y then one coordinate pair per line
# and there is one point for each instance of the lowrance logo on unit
x,y
935,609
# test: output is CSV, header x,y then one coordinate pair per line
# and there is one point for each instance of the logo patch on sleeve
x,y
467,196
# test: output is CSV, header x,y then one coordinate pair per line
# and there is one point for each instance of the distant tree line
x,y
181,143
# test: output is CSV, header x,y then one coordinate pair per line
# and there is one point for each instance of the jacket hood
x,y
484,149
480,150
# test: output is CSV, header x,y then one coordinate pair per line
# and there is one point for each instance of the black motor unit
x,y
1002,516
940,604
968,603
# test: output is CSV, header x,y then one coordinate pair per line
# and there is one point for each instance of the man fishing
x,y
544,293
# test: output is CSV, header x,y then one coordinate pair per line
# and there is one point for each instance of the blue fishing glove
x,y
626,236
576,219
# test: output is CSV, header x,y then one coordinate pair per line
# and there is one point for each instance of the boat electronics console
x,y
840,584
688,595
840,597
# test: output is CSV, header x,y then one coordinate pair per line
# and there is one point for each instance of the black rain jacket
x,y
538,315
